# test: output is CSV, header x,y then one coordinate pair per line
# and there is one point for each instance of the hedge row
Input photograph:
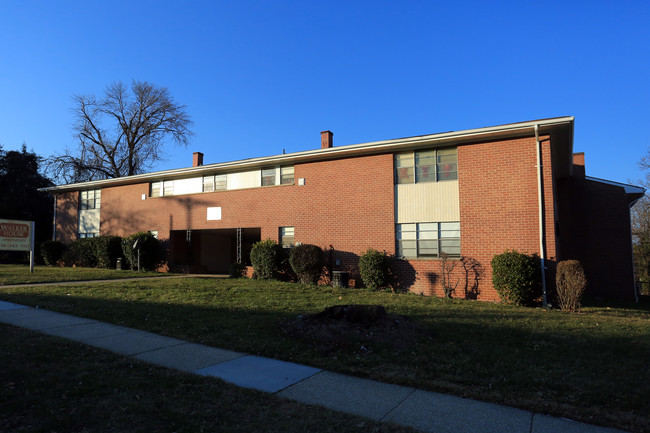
x,y
103,252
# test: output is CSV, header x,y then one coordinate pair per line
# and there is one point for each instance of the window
x,y
90,199
163,188
214,183
287,237
88,235
268,176
428,239
426,166
286,175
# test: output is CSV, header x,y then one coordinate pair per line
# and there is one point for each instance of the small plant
x,y
374,269
570,284
517,277
306,262
265,257
447,269
106,250
52,251
237,270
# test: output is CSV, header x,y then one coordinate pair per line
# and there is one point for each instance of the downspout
x,y
54,219
542,252
634,286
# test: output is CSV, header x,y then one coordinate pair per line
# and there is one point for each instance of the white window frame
x,y
424,237
287,236
90,199
430,165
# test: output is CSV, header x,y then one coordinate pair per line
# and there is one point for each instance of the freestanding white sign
x,y
16,235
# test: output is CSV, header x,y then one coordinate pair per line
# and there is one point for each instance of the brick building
x,y
471,194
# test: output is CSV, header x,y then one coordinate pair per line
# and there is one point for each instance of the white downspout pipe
x,y
542,252
54,220
634,286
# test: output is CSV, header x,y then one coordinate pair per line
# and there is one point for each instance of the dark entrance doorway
x,y
210,251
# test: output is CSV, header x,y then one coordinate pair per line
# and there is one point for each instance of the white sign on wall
x,y
214,213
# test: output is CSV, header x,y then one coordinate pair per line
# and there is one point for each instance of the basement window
x,y
416,240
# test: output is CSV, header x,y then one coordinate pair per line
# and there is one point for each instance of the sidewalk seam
x,y
413,390
300,381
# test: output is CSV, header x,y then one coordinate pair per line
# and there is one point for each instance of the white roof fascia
x,y
327,153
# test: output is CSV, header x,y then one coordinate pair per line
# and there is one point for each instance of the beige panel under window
x,y
428,201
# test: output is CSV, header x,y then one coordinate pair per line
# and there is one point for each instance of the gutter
x,y
542,250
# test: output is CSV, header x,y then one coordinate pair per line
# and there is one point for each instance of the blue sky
x,y
258,77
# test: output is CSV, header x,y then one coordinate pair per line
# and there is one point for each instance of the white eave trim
x,y
327,153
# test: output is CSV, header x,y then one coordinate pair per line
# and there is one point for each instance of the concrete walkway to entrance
x,y
423,410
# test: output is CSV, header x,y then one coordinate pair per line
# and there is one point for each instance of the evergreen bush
x,y
106,250
265,257
374,269
81,253
52,251
151,251
517,277
306,262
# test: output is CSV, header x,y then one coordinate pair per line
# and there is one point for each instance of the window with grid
x,y
268,176
426,166
286,175
214,183
90,199
88,235
428,239
287,237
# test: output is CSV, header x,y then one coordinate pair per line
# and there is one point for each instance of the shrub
x,y
516,277
265,257
52,251
81,253
374,269
570,284
106,250
236,270
306,261
151,253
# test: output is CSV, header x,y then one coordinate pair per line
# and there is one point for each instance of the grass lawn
x,y
19,274
591,366
53,385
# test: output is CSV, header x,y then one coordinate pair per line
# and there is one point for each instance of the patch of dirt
x,y
355,328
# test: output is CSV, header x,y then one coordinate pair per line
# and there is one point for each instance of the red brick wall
x,y
499,202
348,204
67,216
595,229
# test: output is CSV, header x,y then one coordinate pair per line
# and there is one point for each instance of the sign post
x,y
16,235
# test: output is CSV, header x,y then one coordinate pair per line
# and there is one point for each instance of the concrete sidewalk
x,y
423,410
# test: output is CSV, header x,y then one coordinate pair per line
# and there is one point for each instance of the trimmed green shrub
x,y
517,277
81,253
151,252
107,249
374,269
236,270
570,284
52,251
265,257
306,262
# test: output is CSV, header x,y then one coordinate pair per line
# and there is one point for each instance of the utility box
x,y
118,265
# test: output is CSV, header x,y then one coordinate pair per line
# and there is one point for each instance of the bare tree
x,y
122,134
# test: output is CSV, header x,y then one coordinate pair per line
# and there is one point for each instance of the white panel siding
x,y
426,202
89,221
248,179
188,186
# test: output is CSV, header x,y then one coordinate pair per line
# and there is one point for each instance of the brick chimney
x,y
197,159
579,165
326,139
